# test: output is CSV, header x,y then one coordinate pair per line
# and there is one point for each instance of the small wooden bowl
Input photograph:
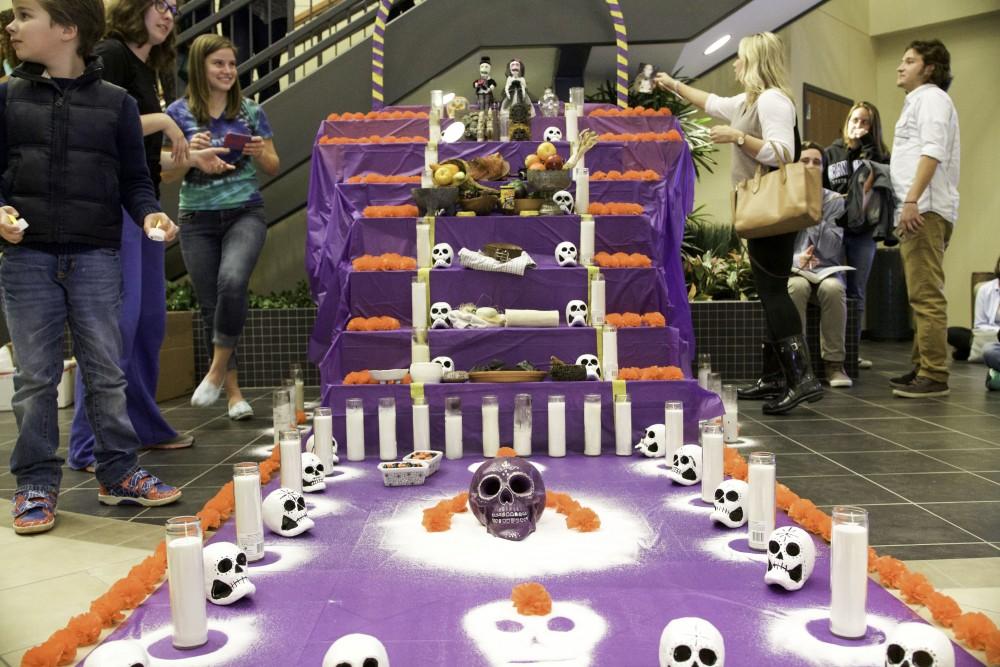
x,y
532,204
502,252
481,205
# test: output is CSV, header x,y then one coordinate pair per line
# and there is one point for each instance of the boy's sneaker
x,y
904,380
864,364
139,488
34,512
836,377
922,387
993,380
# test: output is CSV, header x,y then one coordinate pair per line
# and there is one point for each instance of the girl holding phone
x,y
222,215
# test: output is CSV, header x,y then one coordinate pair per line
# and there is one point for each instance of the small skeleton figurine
x,y
484,86
516,88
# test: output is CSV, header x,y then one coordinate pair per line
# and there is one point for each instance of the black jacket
x,y
841,161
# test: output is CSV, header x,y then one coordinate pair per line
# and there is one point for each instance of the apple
x,y
459,177
443,176
537,166
531,159
554,163
545,149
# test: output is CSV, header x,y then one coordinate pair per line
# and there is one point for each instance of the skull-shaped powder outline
x,y
690,641
791,556
313,473
552,133
730,503
576,313
440,311
119,653
592,364
564,200
566,254
918,645
654,441
507,495
284,512
447,365
356,650
442,255
685,469
226,579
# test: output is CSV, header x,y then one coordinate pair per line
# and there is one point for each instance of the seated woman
x,y
991,356
985,321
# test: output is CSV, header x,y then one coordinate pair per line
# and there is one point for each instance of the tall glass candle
x,y
281,411
491,426
434,130
249,522
295,369
609,352
704,368
557,425
576,99
430,155
582,177
453,427
730,420
387,428
715,383
572,131
421,424
623,425
711,461
849,572
186,582
586,239
418,304
673,421
760,506
598,308
291,460
355,429
323,437
423,243
504,125
437,100
592,424
419,349
522,424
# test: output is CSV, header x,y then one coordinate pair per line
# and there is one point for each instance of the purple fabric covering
x,y
347,576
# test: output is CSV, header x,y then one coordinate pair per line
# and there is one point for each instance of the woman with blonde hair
x,y
762,125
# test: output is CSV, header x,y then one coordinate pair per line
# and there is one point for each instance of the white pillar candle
x,y
572,131
673,421
623,425
849,572
430,157
423,244
581,163
434,132
421,424
355,429
281,412
291,460
715,383
730,420
598,309
453,427
323,437
437,101
504,126
522,424
586,239
704,368
418,303
185,574
491,426
760,505
419,349
582,177
592,424
249,522
557,425
711,461
300,395
609,352
387,428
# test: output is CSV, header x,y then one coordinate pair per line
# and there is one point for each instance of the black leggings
x,y
771,262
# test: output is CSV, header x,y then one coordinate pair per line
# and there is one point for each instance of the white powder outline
x,y
787,634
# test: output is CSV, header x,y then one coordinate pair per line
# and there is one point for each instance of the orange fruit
x,y
545,149
536,166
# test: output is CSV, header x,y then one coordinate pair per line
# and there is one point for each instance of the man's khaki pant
x,y
832,297
923,265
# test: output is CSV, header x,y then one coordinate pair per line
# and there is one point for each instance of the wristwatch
x,y
741,140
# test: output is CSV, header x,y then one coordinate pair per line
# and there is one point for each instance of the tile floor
x,y
928,471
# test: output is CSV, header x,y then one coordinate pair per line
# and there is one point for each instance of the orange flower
x,y
436,520
631,320
531,599
973,629
914,587
584,520
460,503
654,319
504,452
889,569
615,319
598,176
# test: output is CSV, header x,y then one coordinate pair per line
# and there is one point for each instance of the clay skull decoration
x,y
731,503
918,645
442,255
226,579
552,133
686,466
284,512
566,254
576,313
334,459
121,653
791,556
592,364
440,315
356,650
313,473
691,642
507,495
447,365
564,200
653,442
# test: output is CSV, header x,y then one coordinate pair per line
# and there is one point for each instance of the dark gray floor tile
x,y
812,465
859,411
801,412
927,409
85,502
982,460
939,551
192,500
980,519
191,455
909,524
847,442
812,427
770,443
840,490
208,438
939,487
156,521
964,423
888,462
898,426
995,476
942,440
214,477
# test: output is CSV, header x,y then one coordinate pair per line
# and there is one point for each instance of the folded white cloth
x,y
461,319
532,318
471,259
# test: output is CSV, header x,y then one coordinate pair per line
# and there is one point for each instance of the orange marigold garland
x,y
629,175
670,135
531,599
582,519
401,211
621,260
630,111
650,373
389,261
374,139
383,178
376,115
614,208
635,320
382,323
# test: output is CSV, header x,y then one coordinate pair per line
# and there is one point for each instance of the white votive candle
x,y
704,368
323,437
430,154
281,412
418,304
421,424
592,424
557,425
711,461
186,582
760,505
355,429
423,244
849,572
582,177
572,127
673,421
249,522
730,420
387,428
419,349
453,427
586,239
291,460
609,352
300,390
522,424
598,309
434,131
623,425
491,426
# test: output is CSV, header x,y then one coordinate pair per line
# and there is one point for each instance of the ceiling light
x,y
717,44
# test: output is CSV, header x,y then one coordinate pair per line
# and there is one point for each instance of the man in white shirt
x,y
924,168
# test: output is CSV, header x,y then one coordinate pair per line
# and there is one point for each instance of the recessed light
x,y
717,44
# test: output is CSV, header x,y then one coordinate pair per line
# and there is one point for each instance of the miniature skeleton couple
x,y
515,87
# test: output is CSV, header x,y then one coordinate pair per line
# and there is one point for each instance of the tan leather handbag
x,y
787,199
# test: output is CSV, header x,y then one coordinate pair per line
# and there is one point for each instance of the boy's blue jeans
x,y
41,292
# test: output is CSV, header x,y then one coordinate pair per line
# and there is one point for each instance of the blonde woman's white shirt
x,y
776,114
928,125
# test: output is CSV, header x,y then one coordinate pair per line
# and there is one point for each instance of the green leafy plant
x,y
716,264
181,296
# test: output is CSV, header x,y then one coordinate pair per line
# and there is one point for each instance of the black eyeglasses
x,y
163,7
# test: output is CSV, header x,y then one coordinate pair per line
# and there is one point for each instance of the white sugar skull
x,y
334,459
686,466
565,636
121,653
566,254
552,133
440,312
284,513
654,441
447,365
731,503
918,645
576,313
564,200
313,473
441,256
356,650
791,556
691,642
226,578
591,363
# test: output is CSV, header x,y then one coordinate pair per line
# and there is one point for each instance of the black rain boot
x,y
801,384
771,383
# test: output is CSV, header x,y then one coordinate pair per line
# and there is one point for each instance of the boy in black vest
x,y
71,155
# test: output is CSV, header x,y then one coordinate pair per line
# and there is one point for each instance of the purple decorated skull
x,y
507,495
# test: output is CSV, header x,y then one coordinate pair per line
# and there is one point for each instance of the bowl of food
x,y
481,205
404,473
390,376
427,372
431,457
528,204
